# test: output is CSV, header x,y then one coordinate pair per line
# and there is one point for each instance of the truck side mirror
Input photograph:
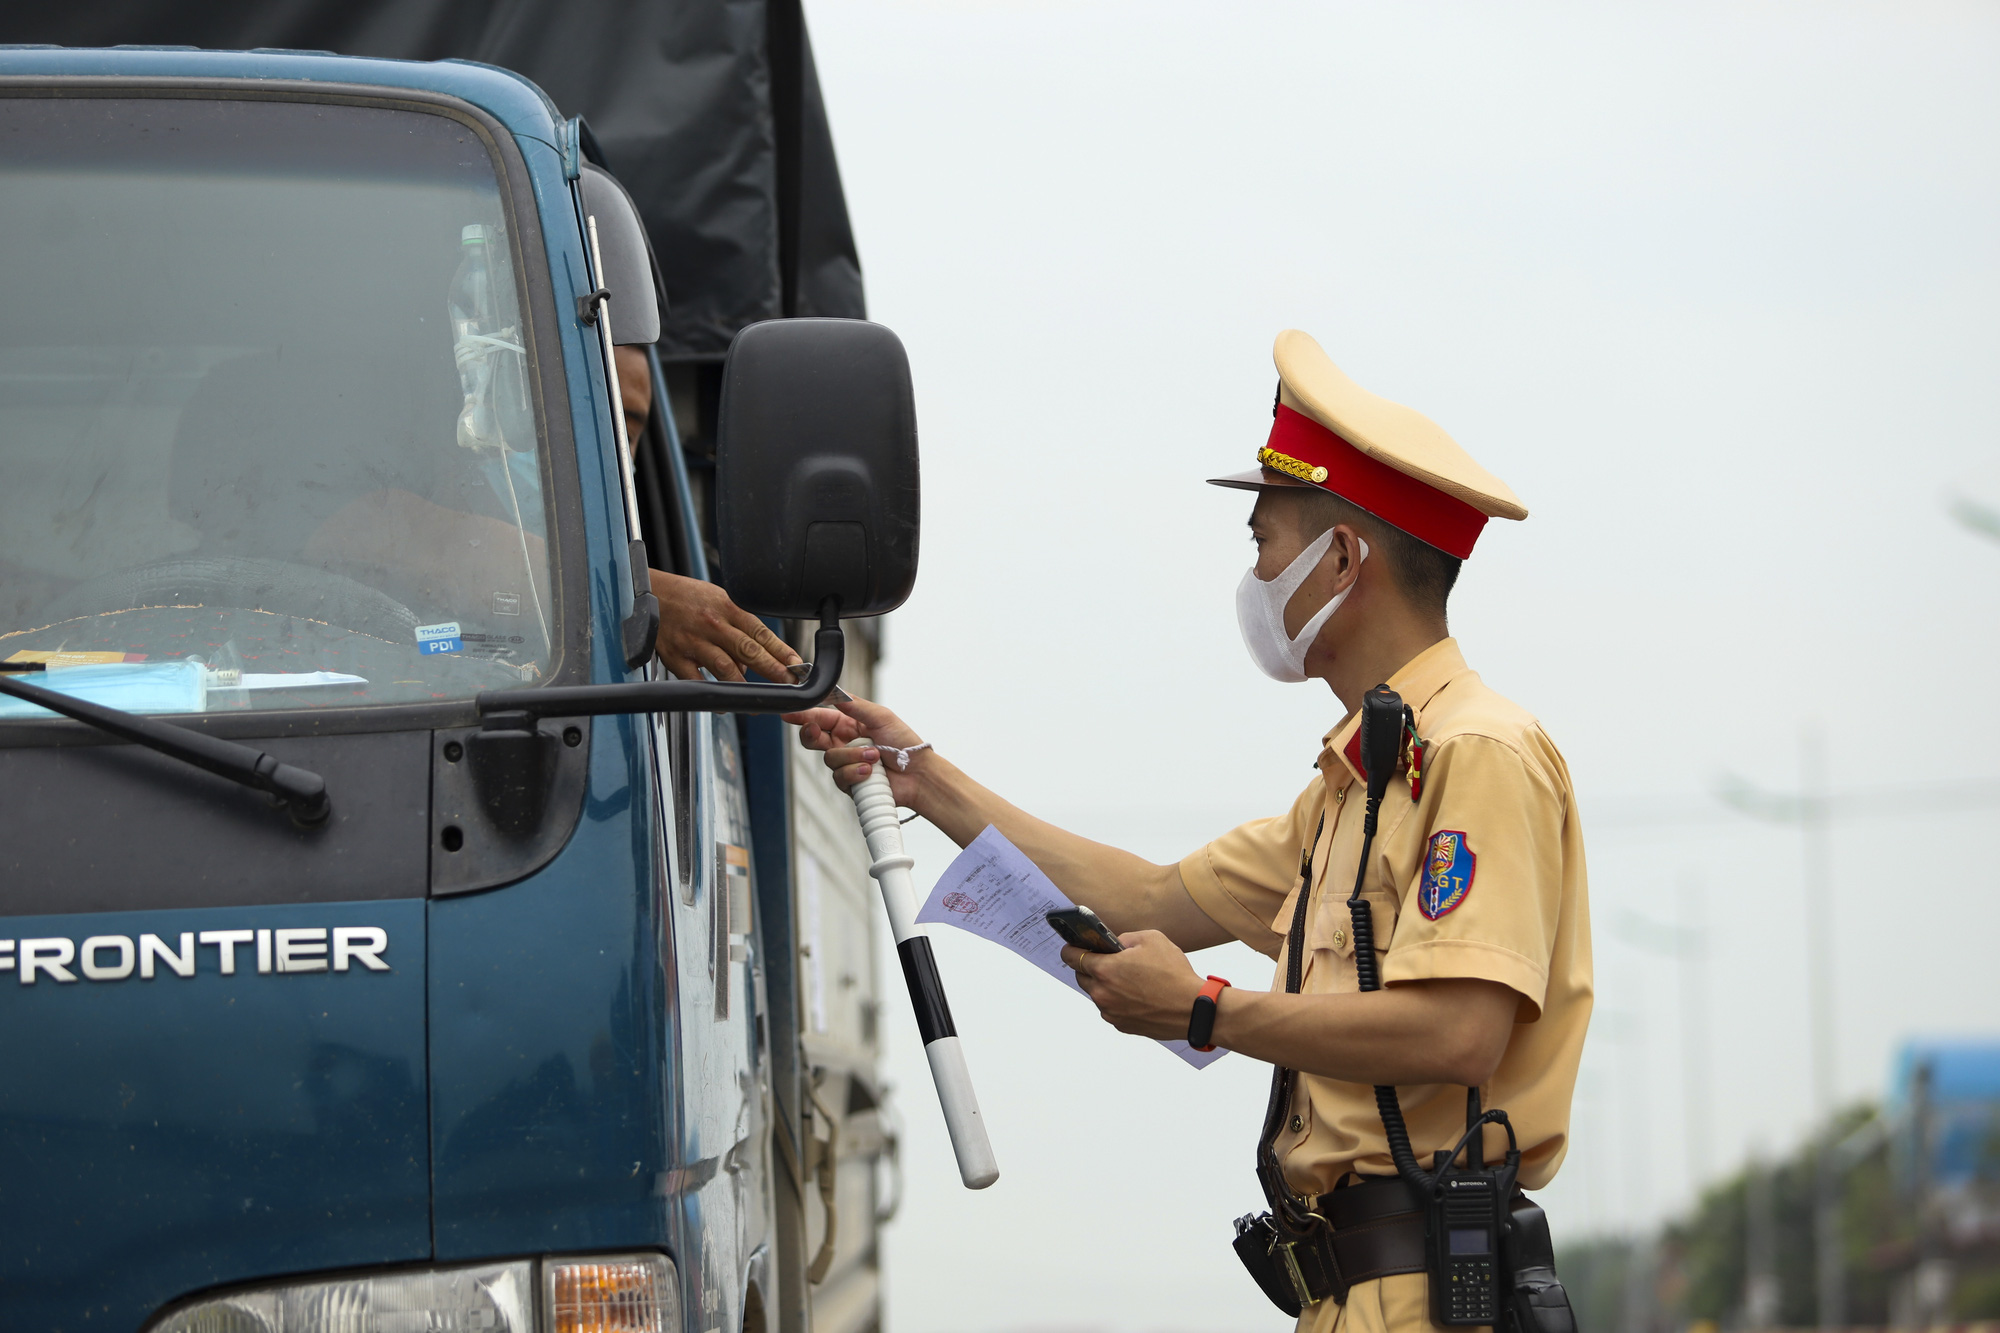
x,y
816,503
816,468
627,261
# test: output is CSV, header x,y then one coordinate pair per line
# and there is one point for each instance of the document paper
x,y
997,893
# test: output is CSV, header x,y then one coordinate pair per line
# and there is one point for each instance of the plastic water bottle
x,y
492,363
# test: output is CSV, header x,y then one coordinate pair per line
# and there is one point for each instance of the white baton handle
x,y
890,865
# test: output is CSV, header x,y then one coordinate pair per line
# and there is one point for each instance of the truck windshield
x,y
267,430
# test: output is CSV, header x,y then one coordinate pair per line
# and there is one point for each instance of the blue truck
x,y
388,944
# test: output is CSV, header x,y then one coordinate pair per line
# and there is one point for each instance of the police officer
x,y
1475,883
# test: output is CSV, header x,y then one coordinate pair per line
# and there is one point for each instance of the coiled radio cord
x,y
1383,718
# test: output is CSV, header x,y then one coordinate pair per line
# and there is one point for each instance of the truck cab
x,y
559,1012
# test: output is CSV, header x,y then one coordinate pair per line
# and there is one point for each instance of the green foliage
x,y
1978,1297
1594,1276
1987,1166
1712,1249
1705,1256
1703,1259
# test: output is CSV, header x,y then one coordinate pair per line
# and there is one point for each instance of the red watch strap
x,y
1201,1023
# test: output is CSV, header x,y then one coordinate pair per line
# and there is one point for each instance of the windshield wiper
x,y
301,792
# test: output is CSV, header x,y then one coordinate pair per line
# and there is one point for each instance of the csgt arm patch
x,y
1448,867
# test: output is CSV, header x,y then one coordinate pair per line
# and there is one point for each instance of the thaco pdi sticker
x,y
439,638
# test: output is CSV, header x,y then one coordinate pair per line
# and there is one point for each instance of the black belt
x,y
1378,1229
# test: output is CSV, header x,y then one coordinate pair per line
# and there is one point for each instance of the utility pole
x,y
1818,867
1693,958
1640,1312
1828,1266
1687,944
1640,1281
1809,811
1930,1278
1761,1293
1590,1111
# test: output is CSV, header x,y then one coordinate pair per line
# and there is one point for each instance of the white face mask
x,y
1260,613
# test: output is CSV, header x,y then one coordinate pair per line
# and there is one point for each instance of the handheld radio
x,y
1465,1228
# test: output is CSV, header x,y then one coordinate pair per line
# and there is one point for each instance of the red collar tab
x,y
1352,752
1416,750
1302,448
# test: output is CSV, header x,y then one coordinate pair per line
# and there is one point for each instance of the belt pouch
x,y
1535,1293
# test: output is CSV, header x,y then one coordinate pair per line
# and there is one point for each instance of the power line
x,y
1734,797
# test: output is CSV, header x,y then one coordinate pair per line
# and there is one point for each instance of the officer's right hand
x,y
833,729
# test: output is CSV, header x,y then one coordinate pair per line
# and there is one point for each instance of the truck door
x,y
724,1171
821,961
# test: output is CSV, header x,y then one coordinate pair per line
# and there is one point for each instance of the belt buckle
x,y
1300,1287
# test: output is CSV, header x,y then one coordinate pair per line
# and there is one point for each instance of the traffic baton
x,y
890,867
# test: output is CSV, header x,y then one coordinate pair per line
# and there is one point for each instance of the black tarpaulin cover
x,y
708,110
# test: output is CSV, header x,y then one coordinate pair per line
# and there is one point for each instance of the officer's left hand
x,y
1147,990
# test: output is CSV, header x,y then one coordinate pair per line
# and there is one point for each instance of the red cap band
x,y
1423,511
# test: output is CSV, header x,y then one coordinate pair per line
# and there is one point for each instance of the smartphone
x,y
1080,926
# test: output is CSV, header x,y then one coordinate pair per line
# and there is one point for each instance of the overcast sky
x,y
1713,287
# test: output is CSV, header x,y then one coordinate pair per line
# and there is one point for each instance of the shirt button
x,y
1340,796
1298,1125
1340,939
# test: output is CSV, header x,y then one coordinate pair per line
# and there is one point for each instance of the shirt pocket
x,y
1332,924
1330,935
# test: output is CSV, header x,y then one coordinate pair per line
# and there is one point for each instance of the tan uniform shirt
x,y
1481,876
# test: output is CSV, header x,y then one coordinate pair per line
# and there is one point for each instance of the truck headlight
x,y
624,1293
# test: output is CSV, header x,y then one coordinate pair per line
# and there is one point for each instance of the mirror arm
x,y
504,709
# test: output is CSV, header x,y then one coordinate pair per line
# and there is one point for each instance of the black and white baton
x,y
890,866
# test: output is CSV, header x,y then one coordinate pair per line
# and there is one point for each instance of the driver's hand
x,y
833,729
700,627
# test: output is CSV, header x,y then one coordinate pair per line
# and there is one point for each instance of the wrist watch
x,y
1201,1023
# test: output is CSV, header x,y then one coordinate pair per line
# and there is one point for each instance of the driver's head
x,y
635,385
